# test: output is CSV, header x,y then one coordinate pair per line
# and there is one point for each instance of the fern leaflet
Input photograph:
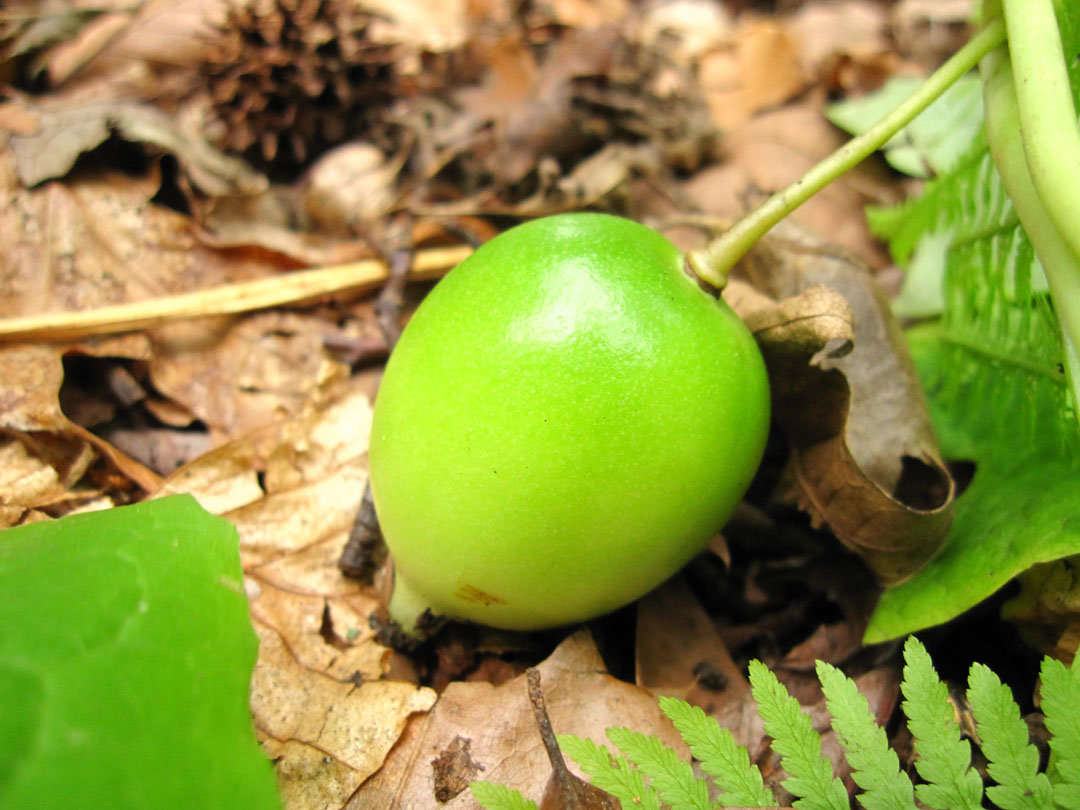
x,y
721,757
1060,699
672,778
1013,762
944,759
493,796
798,745
611,773
876,768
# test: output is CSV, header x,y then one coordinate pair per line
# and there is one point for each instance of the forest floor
x,y
167,147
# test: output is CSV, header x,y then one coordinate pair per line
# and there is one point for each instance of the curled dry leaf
x,y
864,457
504,743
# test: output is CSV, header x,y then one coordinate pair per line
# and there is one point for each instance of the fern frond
x,y
610,772
798,745
669,776
493,796
997,347
1012,762
876,768
720,756
1060,704
944,758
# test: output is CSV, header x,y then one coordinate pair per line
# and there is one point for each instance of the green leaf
x,y
1060,699
797,744
493,796
935,140
720,756
1012,761
125,659
672,778
944,758
876,768
992,369
611,773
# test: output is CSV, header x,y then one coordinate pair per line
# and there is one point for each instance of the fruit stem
x,y
407,607
1013,157
713,262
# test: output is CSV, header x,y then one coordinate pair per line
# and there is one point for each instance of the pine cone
x,y
293,78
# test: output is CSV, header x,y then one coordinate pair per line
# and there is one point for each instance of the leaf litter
x,y
120,184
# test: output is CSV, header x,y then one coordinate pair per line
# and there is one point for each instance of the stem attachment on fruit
x,y
411,611
713,262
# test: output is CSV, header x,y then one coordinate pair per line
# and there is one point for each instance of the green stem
x,y
1047,116
713,262
1004,118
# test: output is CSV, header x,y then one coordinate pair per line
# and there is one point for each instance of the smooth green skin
x,y
565,422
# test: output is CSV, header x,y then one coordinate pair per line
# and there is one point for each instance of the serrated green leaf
x,y
1012,761
944,758
493,796
876,768
1060,702
720,756
797,744
610,772
125,661
671,777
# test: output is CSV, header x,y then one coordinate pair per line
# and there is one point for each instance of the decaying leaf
x,y
66,131
82,465
681,653
99,241
320,705
760,69
326,735
1047,609
504,744
864,457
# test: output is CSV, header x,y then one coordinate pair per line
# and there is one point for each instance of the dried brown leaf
x,y
864,456
30,382
504,743
67,130
243,374
762,70
320,707
680,653
851,28
327,736
1047,608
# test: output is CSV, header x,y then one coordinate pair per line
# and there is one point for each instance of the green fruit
x,y
567,420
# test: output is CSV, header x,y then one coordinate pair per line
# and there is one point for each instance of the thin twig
x,y
287,289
